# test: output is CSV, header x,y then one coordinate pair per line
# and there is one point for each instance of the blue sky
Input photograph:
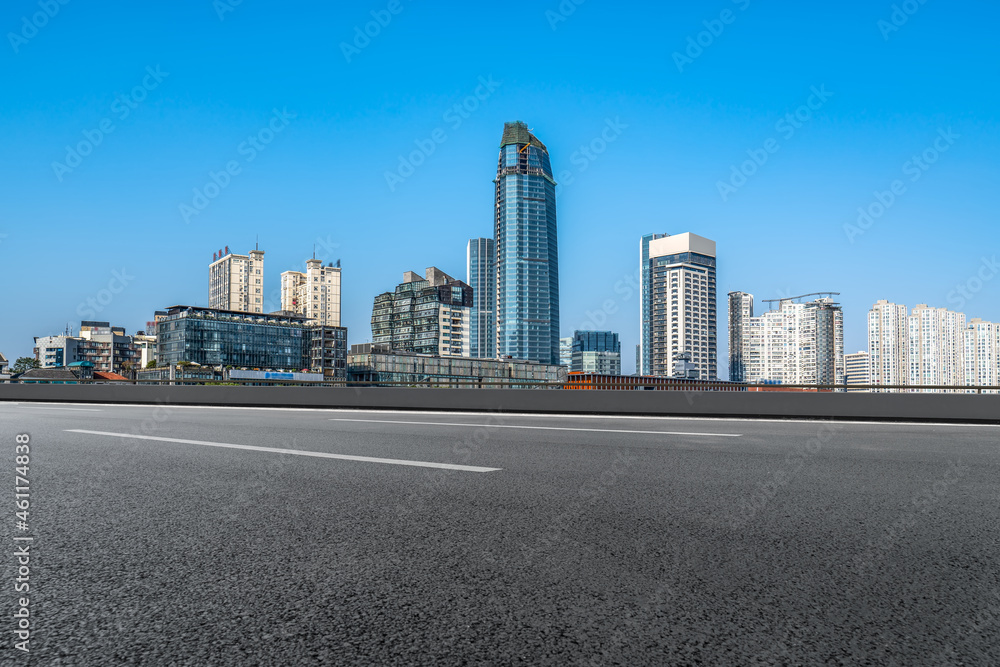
x,y
164,95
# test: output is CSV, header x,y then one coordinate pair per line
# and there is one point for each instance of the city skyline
x,y
637,145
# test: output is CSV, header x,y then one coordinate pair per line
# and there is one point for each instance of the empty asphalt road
x,y
210,536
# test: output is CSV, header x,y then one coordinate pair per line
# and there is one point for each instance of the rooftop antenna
x,y
256,243
314,251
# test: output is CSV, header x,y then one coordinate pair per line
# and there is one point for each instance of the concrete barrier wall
x,y
856,406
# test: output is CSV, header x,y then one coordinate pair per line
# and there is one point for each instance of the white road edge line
x,y
541,428
549,415
297,452
43,407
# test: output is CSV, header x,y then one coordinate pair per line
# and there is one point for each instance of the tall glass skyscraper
x,y
481,275
527,256
643,362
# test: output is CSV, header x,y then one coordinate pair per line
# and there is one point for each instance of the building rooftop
x,y
518,133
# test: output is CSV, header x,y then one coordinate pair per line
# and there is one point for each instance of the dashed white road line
x,y
296,452
540,428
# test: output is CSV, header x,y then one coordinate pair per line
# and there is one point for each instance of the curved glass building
x,y
527,305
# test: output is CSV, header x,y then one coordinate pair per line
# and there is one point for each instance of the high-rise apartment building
x,y
481,275
527,303
314,294
857,370
643,364
888,343
236,282
596,352
426,315
799,343
982,354
740,310
682,304
935,346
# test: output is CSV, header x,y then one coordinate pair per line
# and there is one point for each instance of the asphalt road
x,y
549,540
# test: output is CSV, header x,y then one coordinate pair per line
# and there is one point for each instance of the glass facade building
x,y
481,275
740,310
214,337
643,365
427,315
596,352
527,265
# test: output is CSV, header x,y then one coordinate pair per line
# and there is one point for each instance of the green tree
x,y
23,364
151,363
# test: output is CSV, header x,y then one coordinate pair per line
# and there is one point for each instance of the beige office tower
x,y
936,340
314,294
982,354
888,343
236,282
683,302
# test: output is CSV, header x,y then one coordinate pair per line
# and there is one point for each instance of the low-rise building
x,y
277,341
377,363
71,373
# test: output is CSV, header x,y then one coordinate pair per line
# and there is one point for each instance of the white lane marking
x,y
39,407
297,452
542,428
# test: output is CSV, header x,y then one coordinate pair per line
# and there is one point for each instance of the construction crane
x,y
801,296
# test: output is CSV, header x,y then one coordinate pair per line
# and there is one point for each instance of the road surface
x,y
212,536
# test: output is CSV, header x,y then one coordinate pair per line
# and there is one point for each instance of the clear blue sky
x,y
681,126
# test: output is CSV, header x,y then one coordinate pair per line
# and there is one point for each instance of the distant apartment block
x,y
799,343
429,315
740,310
596,352
481,275
888,343
857,370
982,354
935,346
4,364
314,294
236,282
682,304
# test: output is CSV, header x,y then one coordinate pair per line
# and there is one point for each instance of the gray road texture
x,y
793,543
